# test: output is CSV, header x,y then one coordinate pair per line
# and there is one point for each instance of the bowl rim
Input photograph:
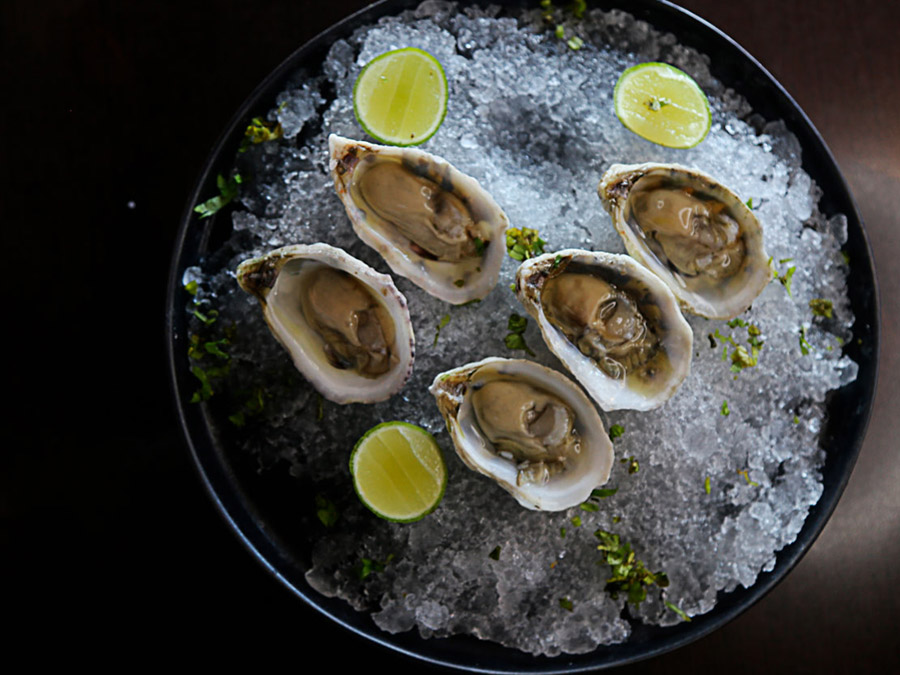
x,y
736,68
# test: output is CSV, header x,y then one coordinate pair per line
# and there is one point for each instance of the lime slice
x,y
398,471
400,97
662,104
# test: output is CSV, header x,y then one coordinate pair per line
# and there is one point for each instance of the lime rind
x,y
398,141
429,439
671,70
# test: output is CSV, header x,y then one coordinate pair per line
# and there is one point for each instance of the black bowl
x,y
258,507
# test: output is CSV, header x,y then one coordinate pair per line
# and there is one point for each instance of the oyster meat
x,y
346,327
612,323
430,222
529,428
692,232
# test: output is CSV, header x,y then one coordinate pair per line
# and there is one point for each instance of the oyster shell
x,y
692,232
612,323
529,428
346,326
430,222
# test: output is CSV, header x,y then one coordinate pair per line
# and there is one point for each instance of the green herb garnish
x,y
822,307
746,474
725,411
628,574
368,566
524,243
259,131
603,493
805,347
615,431
707,485
576,521
516,339
680,612
437,332
326,511
228,190
566,604
589,506
495,554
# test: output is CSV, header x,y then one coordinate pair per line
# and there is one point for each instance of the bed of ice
x,y
533,121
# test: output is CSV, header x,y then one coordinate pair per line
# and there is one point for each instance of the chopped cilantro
x,y
575,43
523,243
796,420
821,307
589,506
784,279
208,318
326,511
459,283
633,466
603,493
495,554
578,8
576,521
444,321
228,190
259,131
628,574
479,245
615,431
680,612
566,604
749,203
725,411
616,519
805,347
562,532
368,566
515,339
556,261
191,287
707,485
560,32
746,474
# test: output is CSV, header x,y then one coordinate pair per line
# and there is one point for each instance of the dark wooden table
x,y
109,542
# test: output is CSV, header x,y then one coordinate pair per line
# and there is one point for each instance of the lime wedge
x,y
398,471
662,104
400,97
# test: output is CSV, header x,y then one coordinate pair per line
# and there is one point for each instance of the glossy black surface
x,y
256,506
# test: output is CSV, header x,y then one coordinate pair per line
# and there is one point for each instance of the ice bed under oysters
x,y
727,469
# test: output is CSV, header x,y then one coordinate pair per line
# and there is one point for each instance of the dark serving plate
x,y
258,507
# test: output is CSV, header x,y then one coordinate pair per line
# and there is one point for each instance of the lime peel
x,y
400,97
398,471
662,104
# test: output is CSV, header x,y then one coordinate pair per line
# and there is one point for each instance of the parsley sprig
x,y
260,131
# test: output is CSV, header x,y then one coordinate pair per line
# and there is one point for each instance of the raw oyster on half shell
x,y
692,232
346,326
430,222
529,428
612,323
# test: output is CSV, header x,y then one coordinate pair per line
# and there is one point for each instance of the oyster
x,y
692,232
529,428
612,323
431,223
346,326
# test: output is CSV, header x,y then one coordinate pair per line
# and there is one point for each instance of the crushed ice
x,y
532,120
